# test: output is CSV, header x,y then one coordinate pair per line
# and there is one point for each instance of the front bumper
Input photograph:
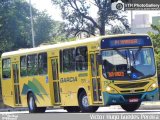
x,y
118,99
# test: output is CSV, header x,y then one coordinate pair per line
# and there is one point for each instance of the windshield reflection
x,y
125,64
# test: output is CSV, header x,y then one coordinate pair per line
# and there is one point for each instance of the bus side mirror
x,y
99,59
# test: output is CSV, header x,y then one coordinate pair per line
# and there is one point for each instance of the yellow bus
x,y
82,75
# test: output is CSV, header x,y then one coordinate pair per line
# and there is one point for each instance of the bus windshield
x,y
127,64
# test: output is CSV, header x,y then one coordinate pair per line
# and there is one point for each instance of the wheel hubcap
x,y
85,101
31,103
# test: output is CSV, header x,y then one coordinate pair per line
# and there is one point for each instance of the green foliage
x,y
78,17
15,27
43,28
59,34
156,43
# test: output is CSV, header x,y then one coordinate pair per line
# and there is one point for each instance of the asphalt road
x,y
103,113
112,109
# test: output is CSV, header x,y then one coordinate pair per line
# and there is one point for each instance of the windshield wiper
x,y
136,55
141,77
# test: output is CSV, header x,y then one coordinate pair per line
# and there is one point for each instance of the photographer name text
x,y
124,116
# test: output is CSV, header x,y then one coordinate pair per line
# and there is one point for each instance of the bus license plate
x,y
133,100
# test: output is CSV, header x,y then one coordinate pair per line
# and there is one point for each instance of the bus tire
x,y
131,107
41,109
32,104
84,105
72,109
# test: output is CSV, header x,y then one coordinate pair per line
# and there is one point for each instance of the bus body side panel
x,y
70,84
8,89
23,81
7,92
50,78
39,86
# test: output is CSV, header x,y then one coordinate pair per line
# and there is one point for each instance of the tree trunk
x,y
102,23
102,30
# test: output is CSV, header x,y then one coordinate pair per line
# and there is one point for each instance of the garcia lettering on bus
x,y
68,79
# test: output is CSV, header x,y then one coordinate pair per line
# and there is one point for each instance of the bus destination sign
x,y
127,41
122,42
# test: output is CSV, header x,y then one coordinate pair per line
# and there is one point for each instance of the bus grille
x,y
132,85
129,91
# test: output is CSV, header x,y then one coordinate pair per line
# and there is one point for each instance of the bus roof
x,y
63,45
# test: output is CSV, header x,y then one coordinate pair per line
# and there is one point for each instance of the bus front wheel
x,y
32,105
131,107
84,105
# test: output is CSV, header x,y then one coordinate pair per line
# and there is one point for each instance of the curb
x,y
149,107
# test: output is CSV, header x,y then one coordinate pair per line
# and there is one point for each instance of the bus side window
x,y
23,64
32,65
6,66
69,60
61,60
42,63
81,58
55,69
93,69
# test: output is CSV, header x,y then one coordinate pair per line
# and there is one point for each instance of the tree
x,y
15,27
44,27
77,13
156,43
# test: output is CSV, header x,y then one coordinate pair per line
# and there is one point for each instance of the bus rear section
x,y
128,71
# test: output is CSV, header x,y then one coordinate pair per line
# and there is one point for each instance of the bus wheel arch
x,y
83,102
29,92
79,91
32,104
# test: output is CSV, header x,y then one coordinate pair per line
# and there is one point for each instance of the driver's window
x,y
147,57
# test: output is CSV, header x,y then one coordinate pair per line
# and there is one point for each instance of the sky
x,y
48,7
56,13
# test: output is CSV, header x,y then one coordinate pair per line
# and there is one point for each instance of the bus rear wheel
x,y
32,105
131,107
72,109
84,105
41,109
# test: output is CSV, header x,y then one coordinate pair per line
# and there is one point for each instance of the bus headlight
x,y
110,90
153,87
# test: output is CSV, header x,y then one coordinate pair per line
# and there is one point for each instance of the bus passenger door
x,y
55,76
96,86
15,71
